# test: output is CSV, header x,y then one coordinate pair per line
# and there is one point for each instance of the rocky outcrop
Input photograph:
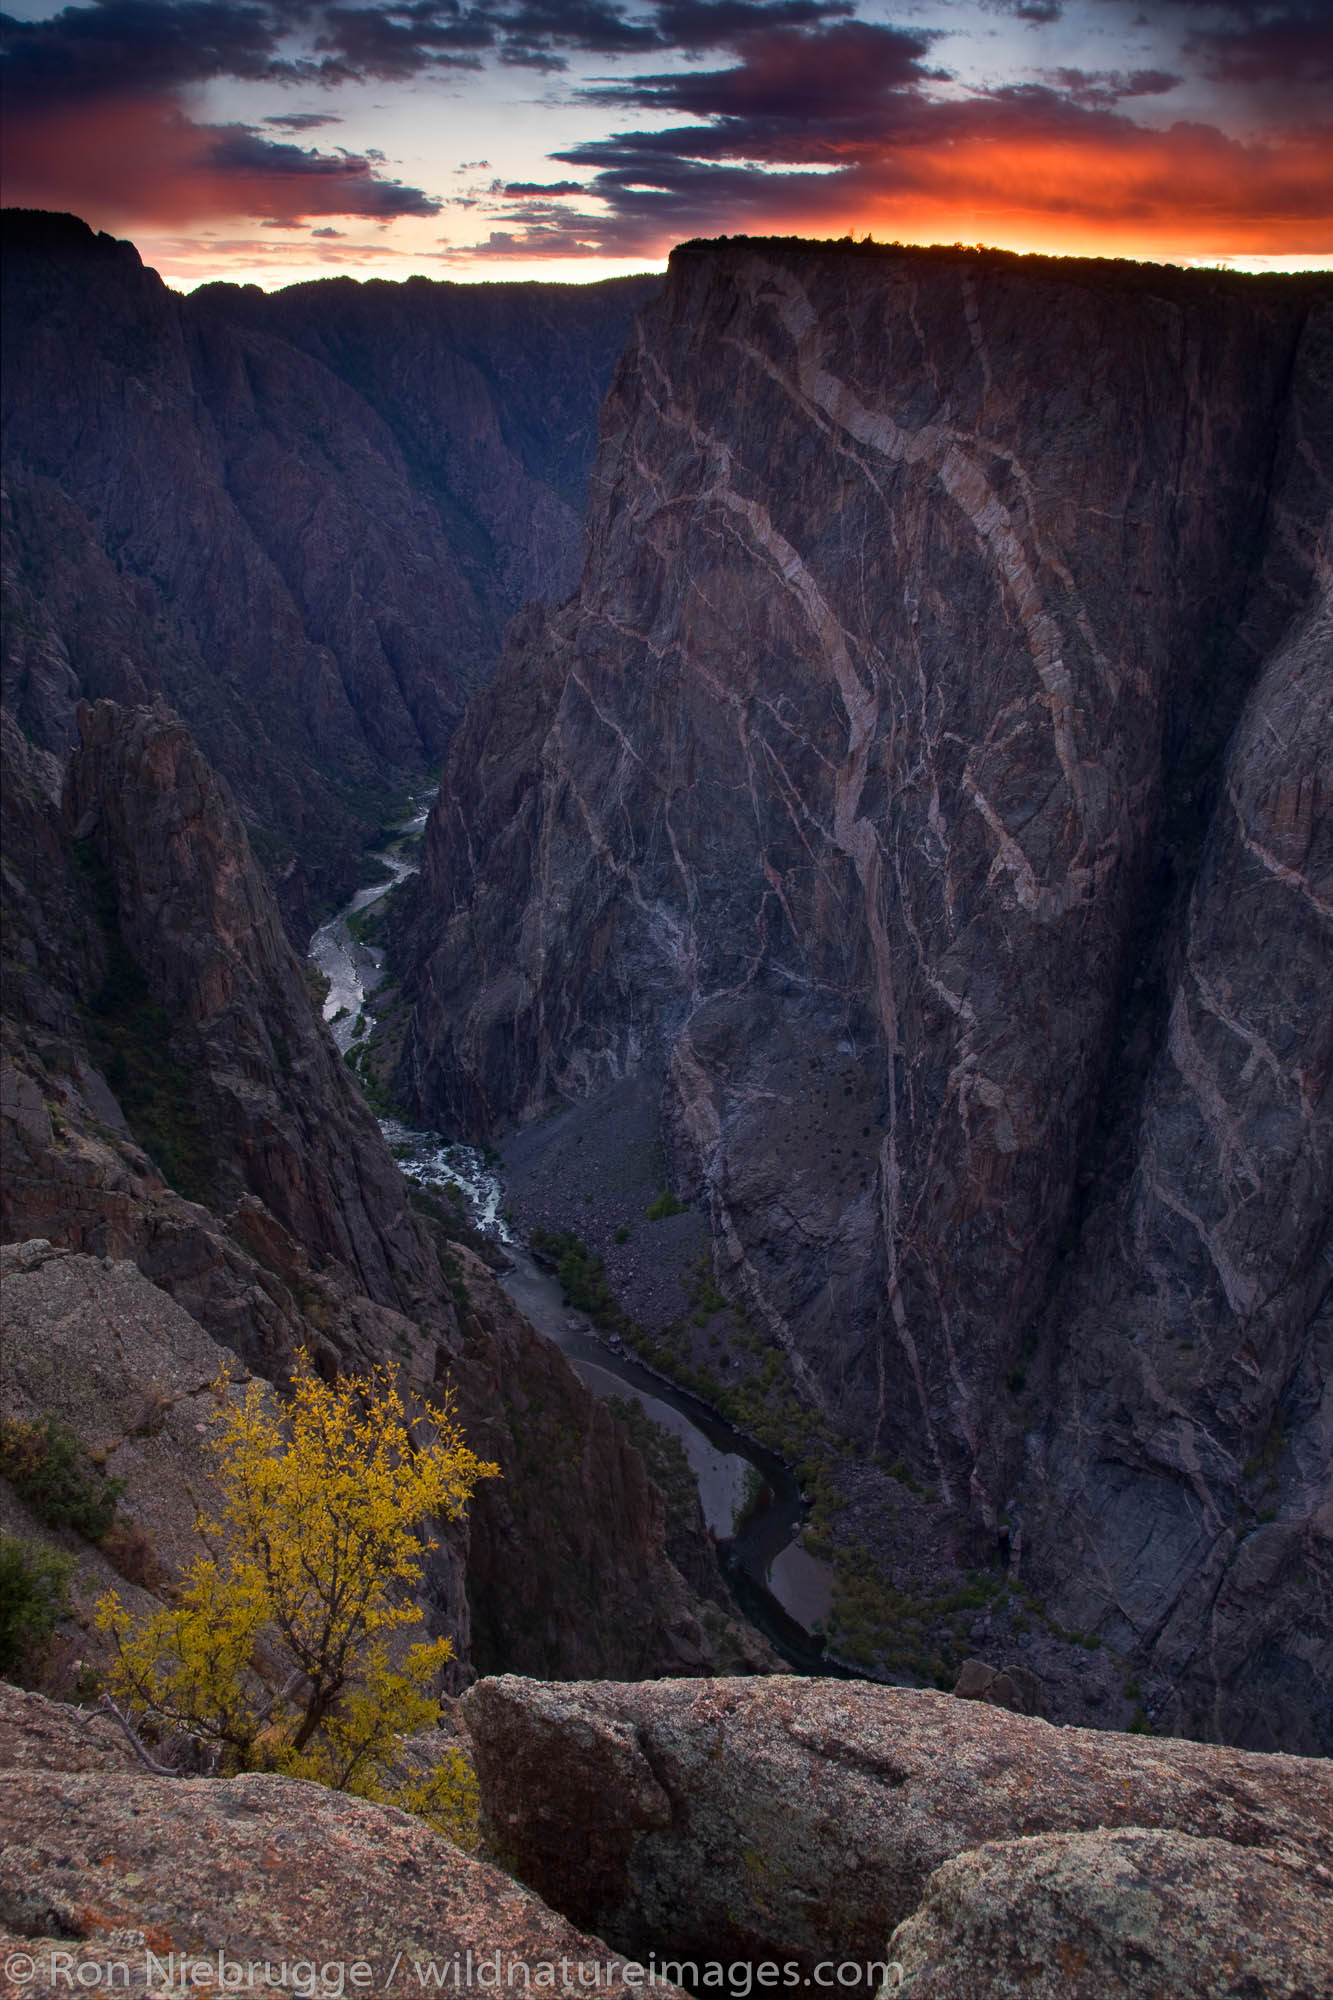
x,y
135,1379
913,793
41,1735
302,524
99,1867
802,1821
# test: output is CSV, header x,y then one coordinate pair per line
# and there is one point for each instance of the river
x,y
353,969
751,1502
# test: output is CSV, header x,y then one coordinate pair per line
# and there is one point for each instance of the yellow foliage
x,y
280,1647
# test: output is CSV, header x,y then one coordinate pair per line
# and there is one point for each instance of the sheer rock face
x,y
305,524
199,919
930,785
802,1820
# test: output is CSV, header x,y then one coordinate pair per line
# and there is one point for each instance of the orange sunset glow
x,y
511,138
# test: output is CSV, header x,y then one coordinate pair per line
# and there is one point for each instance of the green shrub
x,y
582,1277
664,1206
42,1462
34,1594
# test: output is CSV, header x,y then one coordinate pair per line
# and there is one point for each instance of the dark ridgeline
x,y
303,519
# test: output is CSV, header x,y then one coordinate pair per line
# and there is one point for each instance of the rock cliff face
x,y
170,1098
929,786
304,522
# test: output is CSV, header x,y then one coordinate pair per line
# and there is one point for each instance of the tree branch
x,y
160,1770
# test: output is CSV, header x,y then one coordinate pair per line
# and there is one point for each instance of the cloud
x,y
1102,89
140,47
715,24
1283,47
338,183
535,32
328,232
1278,50
1037,13
821,81
116,47
142,159
393,43
304,121
785,115
1054,164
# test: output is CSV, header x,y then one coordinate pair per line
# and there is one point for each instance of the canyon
x,y
303,520
880,904
924,800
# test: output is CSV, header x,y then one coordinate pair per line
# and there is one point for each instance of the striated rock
x,y
1115,1916
303,525
927,793
802,1819
1193,1334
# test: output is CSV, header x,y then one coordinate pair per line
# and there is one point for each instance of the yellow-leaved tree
x,y
285,1648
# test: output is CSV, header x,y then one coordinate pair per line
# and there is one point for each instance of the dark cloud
x,y
304,121
1037,13
393,43
818,82
1103,88
1289,46
519,190
715,24
535,32
143,46
329,232
1280,44
595,26
339,183
118,47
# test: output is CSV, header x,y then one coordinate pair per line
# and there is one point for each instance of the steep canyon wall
x,y
929,787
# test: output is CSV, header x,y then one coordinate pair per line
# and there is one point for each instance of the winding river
x,y
751,1502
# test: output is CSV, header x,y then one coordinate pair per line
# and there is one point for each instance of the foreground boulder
x,y
104,1868
1094,1916
803,1820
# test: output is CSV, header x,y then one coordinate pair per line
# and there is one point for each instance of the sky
x,y
268,141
